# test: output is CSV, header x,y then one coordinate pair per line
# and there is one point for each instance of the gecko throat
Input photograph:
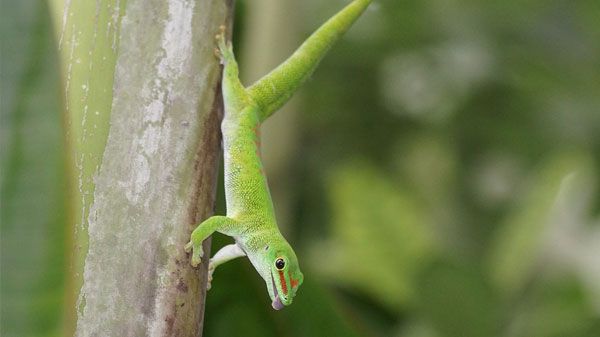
x,y
276,304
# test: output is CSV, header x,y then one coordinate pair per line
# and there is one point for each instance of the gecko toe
x,y
196,260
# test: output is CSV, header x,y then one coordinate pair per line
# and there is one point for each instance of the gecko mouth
x,y
277,304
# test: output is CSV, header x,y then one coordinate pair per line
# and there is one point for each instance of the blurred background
x,y
437,176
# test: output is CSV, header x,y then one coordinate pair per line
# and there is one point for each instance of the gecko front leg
x,y
203,231
224,254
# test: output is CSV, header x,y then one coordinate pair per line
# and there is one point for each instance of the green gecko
x,y
250,216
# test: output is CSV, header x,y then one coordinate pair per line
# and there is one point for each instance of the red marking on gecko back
x,y
283,284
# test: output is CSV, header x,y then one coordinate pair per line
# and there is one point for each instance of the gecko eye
x,y
280,264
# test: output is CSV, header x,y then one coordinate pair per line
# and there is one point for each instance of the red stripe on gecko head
x,y
283,284
293,283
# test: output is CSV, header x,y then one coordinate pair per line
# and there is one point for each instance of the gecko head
x,y
284,277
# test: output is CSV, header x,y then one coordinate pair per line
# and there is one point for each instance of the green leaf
x,y
380,236
515,254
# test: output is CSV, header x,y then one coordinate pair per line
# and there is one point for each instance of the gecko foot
x,y
224,50
211,270
196,250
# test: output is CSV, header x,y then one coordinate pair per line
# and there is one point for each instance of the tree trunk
x,y
156,179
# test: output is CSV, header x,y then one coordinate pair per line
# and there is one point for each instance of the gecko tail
x,y
276,88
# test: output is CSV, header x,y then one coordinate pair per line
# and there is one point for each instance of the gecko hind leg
x,y
235,95
225,50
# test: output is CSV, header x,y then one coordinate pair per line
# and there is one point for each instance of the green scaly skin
x,y
250,216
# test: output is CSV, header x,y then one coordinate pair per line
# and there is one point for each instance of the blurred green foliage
x,y
33,233
444,183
